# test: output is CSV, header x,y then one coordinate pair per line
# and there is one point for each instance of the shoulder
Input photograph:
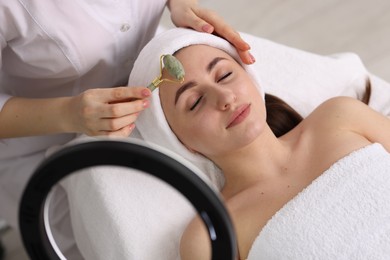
x,y
353,116
339,111
334,117
349,111
340,104
195,243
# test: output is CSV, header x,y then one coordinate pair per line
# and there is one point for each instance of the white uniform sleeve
x,y
4,28
3,97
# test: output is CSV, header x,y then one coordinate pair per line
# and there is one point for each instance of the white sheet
x,y
100,202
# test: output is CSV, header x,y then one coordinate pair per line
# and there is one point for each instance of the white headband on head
x,y
152,123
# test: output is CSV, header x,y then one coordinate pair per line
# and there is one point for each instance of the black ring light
x,y
127,154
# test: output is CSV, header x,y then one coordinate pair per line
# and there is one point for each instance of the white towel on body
x,y
343,214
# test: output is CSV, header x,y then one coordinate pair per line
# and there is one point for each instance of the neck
x,y
261,161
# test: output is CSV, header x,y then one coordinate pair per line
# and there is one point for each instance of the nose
x,y
224,98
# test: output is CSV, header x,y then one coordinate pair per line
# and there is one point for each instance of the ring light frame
x,y
32,220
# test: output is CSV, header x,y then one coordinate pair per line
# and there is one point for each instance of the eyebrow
x,y
214,62
183,88
192,83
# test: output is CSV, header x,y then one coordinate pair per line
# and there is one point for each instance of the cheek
x,y
197,134
182,128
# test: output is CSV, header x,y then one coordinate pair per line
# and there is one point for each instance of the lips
x,y
239,115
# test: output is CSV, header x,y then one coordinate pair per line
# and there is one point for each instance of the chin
x,y
252,131
256,131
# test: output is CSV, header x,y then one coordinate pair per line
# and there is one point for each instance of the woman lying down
x,y
312,188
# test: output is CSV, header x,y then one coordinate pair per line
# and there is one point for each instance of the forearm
x,y
27,117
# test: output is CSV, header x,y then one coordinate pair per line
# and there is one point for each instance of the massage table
x,y
119,213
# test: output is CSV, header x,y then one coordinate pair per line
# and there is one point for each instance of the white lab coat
x,y
53,48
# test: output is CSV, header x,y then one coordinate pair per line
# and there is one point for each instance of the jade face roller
x,y
174,68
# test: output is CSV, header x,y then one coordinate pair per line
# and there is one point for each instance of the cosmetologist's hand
x,y
108,111
187,13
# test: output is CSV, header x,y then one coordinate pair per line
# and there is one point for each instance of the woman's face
x,y
217,109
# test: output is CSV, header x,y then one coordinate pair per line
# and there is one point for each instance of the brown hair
x,y
282,118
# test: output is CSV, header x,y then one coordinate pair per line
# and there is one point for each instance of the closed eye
x,y
224,76
200,98
196,103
